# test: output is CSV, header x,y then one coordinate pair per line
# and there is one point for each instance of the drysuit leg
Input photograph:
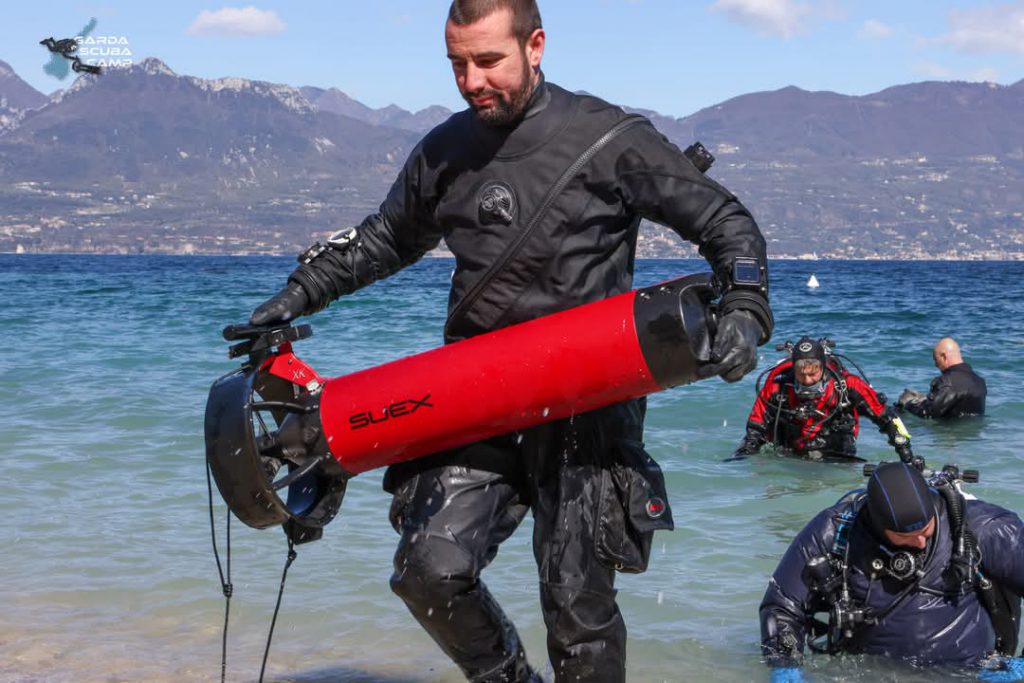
x,y
586,633
452,515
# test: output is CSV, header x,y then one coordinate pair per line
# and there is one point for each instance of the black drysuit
x,y
957,392
478,187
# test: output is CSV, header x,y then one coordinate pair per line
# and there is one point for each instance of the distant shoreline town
x,y
923,171
682,253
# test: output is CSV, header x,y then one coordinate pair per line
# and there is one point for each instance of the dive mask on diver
x,y
809,392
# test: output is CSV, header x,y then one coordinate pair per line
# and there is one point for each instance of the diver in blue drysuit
x,y
900,576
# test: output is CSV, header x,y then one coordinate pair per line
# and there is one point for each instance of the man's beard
x,y
505,110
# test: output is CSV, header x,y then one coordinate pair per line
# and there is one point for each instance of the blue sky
x,y
673,56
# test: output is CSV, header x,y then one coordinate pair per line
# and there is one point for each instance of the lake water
x,y
108,573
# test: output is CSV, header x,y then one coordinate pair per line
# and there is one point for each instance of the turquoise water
x,y
107,569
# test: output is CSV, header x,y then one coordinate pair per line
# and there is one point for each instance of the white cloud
x,y
872,29
833,10
943,73
236,21
992,29
773,17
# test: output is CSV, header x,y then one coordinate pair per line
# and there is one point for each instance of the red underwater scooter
x,y
276,425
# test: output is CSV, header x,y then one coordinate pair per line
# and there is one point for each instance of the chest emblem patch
x,y
497,203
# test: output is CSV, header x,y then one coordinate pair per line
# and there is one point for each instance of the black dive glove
x,y
286,305
750,445
907,398
735,350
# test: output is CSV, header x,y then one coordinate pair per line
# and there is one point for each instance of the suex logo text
x,y
394,411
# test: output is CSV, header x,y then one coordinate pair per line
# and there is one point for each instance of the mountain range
x,y
144,160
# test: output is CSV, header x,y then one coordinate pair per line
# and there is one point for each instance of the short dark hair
x,y
525,15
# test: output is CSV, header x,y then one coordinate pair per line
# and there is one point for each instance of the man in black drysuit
x,y
479,180
959,391
912,594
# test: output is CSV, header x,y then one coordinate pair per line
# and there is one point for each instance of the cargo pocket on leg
x,y
632,505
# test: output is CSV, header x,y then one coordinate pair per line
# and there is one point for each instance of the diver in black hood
x,y
810,404
905,570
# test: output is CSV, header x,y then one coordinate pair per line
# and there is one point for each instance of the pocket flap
x,y
642,485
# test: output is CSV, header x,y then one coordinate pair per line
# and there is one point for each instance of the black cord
x,y
273,622
854,363
225,585
778,417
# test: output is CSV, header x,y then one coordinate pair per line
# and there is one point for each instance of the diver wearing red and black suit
x,y
811,405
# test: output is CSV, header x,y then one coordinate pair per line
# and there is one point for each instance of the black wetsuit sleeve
x,y
399,234
1000,535
941,399
659,183
789,603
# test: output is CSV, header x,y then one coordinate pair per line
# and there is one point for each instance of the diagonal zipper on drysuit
x,y
513,249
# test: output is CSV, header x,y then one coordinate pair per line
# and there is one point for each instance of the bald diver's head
x,y
946,353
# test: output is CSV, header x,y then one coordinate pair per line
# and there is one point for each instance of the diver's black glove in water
x,y
735,350
286,305
909,397
750,445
